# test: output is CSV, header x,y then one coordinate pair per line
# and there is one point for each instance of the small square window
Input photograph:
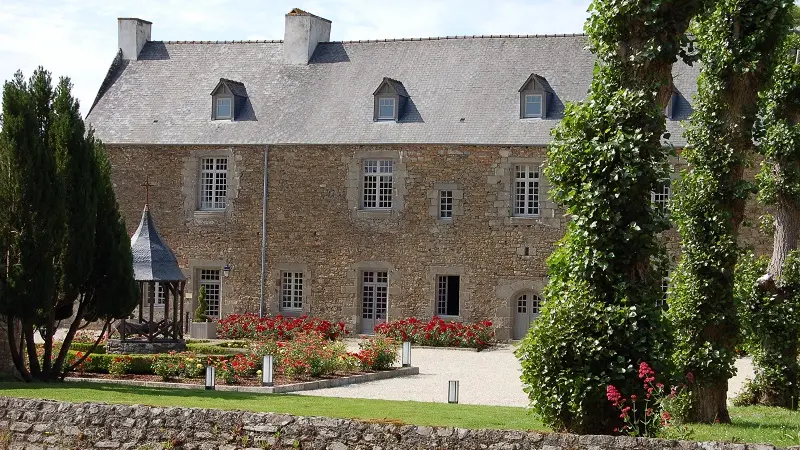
x,y
533,105
386,108
223,108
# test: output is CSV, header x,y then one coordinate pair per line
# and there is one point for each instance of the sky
x,y
78,38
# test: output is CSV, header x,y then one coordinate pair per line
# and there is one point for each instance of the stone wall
x,y
36,424
315,226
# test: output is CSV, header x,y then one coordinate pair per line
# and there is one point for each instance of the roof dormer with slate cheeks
x,y
227,99
390,100
534,97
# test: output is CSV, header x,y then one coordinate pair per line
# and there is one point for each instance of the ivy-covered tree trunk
x,y
737,40
772,313
600,319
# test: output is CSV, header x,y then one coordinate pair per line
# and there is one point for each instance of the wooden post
x,y
165,287
182,300
150,322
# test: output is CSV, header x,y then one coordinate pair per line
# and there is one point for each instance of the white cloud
x,y
78,38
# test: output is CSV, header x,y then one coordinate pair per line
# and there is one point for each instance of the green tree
x,y
601,317
771,313
737,41
66,252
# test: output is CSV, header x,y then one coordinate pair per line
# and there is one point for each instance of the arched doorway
x,y
526,309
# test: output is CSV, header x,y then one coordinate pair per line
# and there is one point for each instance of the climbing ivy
x,y
737,41
600,319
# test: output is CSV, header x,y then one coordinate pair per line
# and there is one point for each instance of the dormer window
x,y
533,105
223,108
534,96
227,99
668,110
390,100
386,108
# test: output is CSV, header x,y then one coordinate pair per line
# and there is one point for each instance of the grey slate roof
x,y
152,259
163,97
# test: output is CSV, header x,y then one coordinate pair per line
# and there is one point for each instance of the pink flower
x,y
690,377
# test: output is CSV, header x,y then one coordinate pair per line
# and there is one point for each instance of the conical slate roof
x,y
152,259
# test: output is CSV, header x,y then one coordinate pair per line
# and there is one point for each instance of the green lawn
x,y
752,424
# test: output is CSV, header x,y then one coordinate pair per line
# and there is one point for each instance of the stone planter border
x,y
294,387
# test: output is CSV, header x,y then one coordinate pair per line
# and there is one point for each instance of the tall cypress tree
x,y
66,252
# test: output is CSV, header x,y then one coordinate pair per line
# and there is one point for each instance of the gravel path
x,y
490,377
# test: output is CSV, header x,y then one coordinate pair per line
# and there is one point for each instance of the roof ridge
x,y
474,36
221,42
368,41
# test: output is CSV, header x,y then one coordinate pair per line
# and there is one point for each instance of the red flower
x,y
690,377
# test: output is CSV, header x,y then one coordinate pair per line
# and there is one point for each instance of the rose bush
x,y
439,333
278,328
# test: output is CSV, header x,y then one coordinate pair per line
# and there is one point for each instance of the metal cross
x,y
147,185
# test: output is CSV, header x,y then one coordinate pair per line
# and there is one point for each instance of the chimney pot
x,y
302,33
132,35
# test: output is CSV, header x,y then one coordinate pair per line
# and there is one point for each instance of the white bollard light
x,y
452,391
267,371
406,357
211,375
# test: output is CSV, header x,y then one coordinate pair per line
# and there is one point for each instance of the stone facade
x,y
317,228
37,424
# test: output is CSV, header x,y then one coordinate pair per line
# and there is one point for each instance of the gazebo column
x,y
182,300
165,286
150,322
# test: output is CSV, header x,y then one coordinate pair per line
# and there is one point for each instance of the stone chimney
x,y
132,35
302,34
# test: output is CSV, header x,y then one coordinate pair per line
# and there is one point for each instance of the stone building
x,y
393,178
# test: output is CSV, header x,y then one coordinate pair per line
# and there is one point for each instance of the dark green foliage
x,y
67,249
737,39
600,319
771,328
202,306
82,347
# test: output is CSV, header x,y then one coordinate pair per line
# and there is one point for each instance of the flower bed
x,y
278,328
307,356
438,333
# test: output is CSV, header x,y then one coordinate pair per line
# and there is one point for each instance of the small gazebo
x,y
156,269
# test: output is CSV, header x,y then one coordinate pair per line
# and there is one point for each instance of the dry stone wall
x,y
315,225
37,424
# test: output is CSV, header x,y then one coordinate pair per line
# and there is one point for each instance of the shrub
x,y
192,366
260,349
85,347
211,349
167,366
202,306
771,326
438,333
278,328
378,353
309,354
86,337
226,372
120,365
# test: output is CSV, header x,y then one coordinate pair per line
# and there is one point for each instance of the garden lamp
x,y
226,270
211,375
406,357
266,371
452,391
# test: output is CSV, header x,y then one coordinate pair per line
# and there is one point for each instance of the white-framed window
x,y
529,303
378,184
213,183
447,295
159,294
533,105
210,279
662,194
662,303
374,294
386,108
224,106
445,204
291,291
526,190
